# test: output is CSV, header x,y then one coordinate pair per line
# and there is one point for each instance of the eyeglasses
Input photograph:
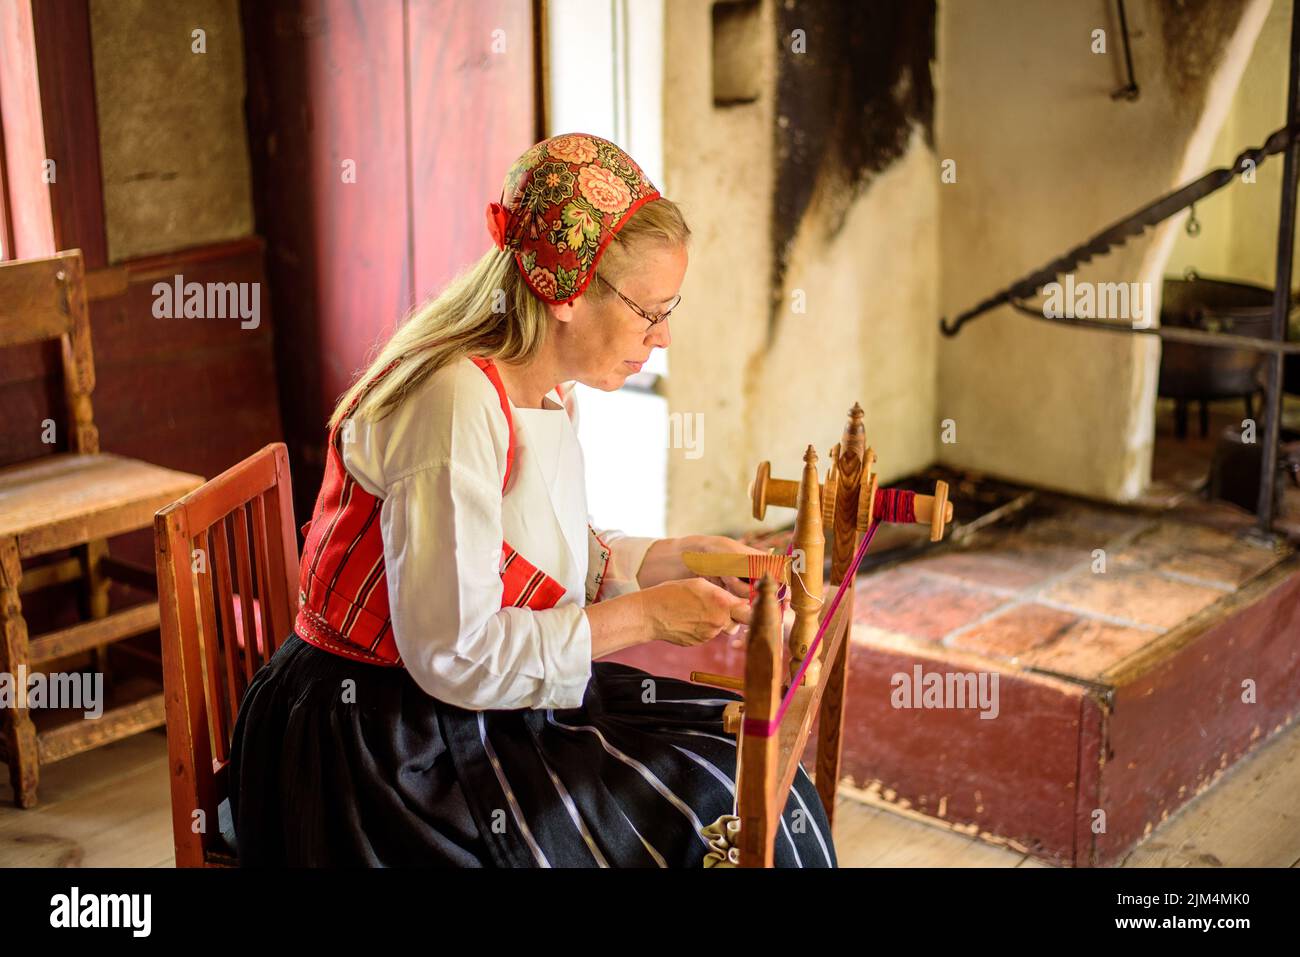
x,y
653,320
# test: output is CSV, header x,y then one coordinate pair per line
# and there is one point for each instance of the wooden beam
x,y
108,283
77,736
91,634
130,573
55,573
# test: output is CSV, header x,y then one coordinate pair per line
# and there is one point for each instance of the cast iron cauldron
x,y
1197,372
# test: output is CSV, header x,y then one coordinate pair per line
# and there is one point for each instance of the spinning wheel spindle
x,y
806,583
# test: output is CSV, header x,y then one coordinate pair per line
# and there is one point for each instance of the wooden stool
x,y
75,499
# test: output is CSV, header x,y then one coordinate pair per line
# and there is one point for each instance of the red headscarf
x,y
561,204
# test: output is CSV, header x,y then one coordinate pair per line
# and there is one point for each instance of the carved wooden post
x,y
849,465
758,754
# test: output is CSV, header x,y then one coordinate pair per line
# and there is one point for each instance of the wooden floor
x,y
110,808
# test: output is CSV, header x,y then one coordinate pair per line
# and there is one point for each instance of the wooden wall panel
x,y
411,94
461,146
62,31
190,394
47,102
326,84
31,221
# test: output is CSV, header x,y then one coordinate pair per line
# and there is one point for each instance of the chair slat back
x,y
44,299
227,585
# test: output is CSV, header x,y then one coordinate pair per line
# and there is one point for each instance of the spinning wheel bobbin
x,y
933,510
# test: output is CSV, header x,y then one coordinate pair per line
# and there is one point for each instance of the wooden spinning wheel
x,y
780,702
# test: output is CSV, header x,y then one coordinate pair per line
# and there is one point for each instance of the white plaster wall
x,y
718,167
1045,158
868,333
1239,223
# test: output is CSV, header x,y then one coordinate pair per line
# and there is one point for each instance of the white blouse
x,y
438,462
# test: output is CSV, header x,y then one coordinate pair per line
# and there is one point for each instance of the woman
x,y
440,701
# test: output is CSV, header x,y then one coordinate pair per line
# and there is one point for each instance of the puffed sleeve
x,y
442,551
438,465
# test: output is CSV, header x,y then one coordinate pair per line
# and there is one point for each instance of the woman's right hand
x,y
691,611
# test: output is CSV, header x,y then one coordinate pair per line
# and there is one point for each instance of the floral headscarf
x,y
561,204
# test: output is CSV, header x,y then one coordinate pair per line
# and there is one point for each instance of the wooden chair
x,y
771,736
70,500
227,580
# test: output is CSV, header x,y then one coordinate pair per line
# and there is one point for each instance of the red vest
x,y
342,583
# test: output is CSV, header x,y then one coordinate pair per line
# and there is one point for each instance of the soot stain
x,y
845,107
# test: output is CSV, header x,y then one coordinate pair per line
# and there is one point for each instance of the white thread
x,y
820,600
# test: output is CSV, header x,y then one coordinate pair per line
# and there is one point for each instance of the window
x,y
605,76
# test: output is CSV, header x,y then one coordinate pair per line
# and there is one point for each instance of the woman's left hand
x,y
663,561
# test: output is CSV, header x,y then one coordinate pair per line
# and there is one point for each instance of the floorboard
x,y
110,808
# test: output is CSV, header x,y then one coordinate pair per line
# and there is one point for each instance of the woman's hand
x,y
673,604
663,561
686,613
692,611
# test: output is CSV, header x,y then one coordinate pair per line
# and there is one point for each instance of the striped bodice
x,y
342,584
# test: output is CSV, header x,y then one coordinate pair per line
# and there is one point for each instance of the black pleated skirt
x,y
341,763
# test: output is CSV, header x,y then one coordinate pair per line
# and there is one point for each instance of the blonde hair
x,y
488,310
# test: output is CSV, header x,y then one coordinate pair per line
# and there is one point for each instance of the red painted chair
x,y
257,625
227,568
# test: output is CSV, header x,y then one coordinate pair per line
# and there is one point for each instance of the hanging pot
x,y
1213,305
